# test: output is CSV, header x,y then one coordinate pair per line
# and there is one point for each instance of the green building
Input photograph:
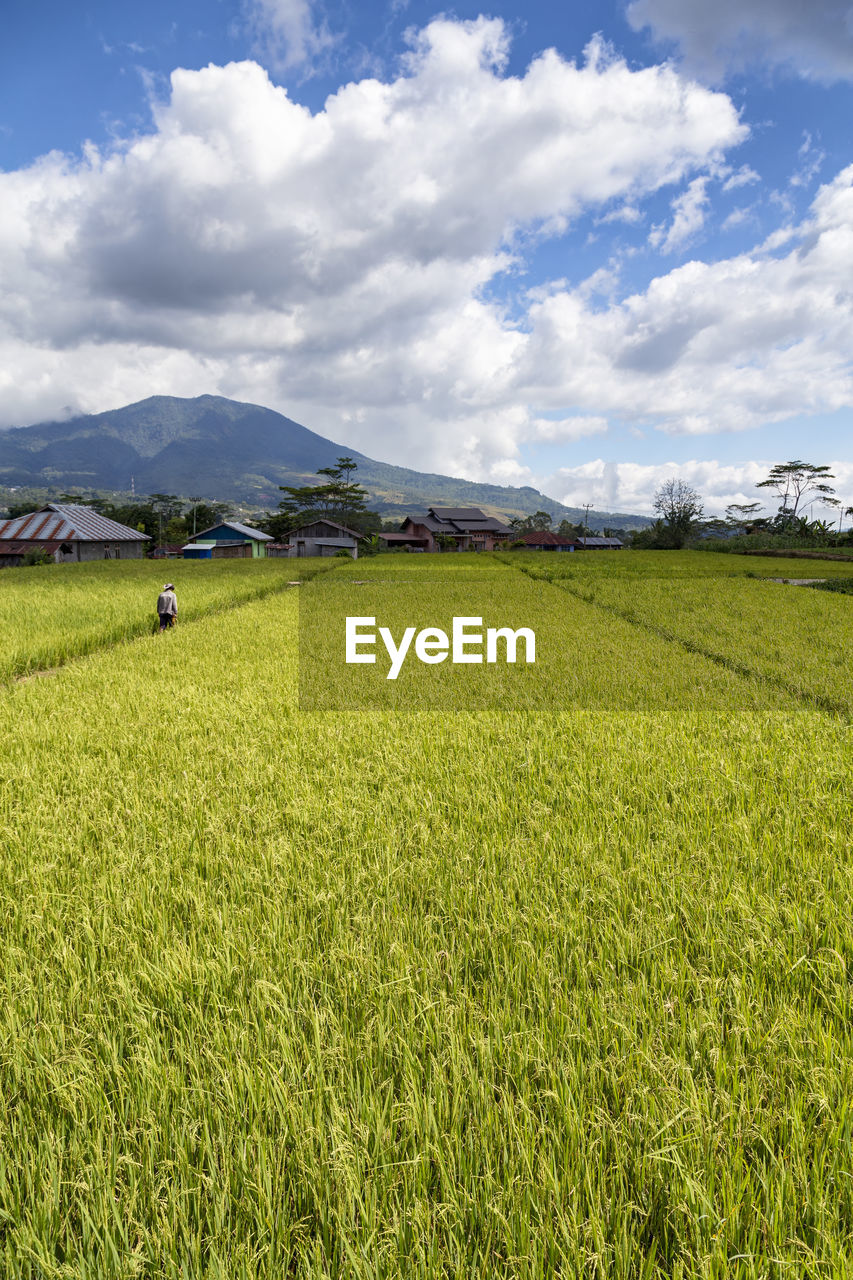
x,y
232,539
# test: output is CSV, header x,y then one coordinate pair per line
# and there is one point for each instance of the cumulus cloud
x,y
340,266
813,38
337,264
711,347
631,486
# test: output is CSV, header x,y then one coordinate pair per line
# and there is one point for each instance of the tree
x,y
175,531
540,520
793,482
568,530
742,513
37,556
15,509
680,509
167,505
350,498
204,515
371,545
80,500
338,498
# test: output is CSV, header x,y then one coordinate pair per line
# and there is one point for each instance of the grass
x,y
844,585
798,641
670,564
505,993
57,612
580,651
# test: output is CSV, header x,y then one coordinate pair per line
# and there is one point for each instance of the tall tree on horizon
x,y
793,482
338,498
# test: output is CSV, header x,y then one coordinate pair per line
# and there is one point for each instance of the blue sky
x,y
585,246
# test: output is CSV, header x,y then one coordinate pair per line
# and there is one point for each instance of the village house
x,y
547,540
227,539
68,532
599,544
323,538
451,528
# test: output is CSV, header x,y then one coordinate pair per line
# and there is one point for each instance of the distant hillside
x,y
216,448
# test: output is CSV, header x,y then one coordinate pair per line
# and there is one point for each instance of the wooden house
x,y
323,538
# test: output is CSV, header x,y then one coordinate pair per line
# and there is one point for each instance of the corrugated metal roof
x,y
21,548
66,522
599,542
459,513
459,520
38,525
333,524
546,538
489,525
246,531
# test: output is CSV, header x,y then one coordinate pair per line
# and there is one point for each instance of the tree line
x,y
163,517
799,487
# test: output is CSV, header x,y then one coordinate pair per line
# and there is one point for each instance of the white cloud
x,y
628,213
737,218
286,32
811,159
743,177
337,266
334,265
631,486
688,219
711,347
812,37
564,430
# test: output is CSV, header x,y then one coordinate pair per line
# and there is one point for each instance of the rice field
x,y
524,990
580,650
56,612
796,640
672,564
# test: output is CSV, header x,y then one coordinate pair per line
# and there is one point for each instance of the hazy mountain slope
x,y
212,447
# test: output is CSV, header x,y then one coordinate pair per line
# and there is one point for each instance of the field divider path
x,y
830,706
146,630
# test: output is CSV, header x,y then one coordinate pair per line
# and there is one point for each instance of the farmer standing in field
x,y
167,606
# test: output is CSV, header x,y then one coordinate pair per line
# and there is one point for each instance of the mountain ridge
x,y
215,448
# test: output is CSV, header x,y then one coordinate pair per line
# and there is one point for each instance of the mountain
x,y
215,448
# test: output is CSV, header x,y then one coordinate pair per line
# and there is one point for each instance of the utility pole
x,y
585,518
195,502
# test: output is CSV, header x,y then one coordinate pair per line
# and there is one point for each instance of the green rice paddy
x,y
537,987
